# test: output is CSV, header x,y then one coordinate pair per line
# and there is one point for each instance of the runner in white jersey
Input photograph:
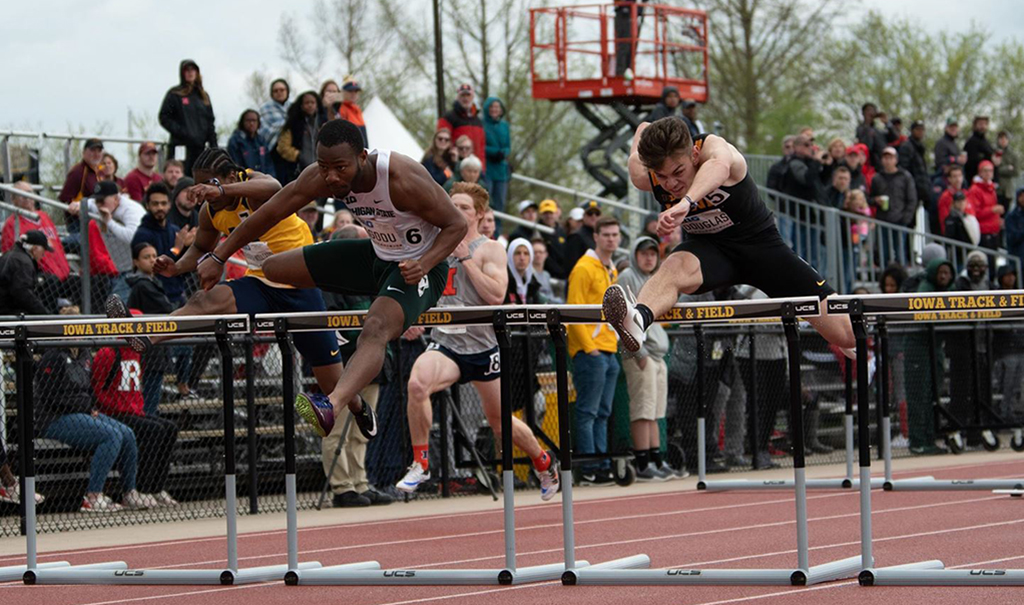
x,y
477,275
413,228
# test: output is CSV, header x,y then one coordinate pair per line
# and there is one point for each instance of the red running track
x,y
677,529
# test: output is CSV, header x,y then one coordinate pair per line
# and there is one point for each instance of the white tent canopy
x,y
385,131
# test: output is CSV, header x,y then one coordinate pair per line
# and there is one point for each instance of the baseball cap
x,y
92,143
591,206
688,103
576,214
465,89
63,302
951,121
147,147
525,204
985,164
548,206
35,237
645,243
105,188
890,150
350,84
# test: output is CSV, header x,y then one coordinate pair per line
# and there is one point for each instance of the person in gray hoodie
x,y
646,373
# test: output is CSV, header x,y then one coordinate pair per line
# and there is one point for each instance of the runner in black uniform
x,y
705,188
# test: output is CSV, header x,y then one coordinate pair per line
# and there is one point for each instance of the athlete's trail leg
x,y
327,377
432,372
220,300
490,400
679,274
383,323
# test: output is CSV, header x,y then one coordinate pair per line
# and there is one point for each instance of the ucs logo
x,y
683,572
129,573
399,573
988,572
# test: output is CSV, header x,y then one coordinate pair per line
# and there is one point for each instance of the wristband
x,y
175,251
216,183
689,201
465,258
214,257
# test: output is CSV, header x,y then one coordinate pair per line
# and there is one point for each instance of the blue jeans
x,y
110,440
119,286
594,377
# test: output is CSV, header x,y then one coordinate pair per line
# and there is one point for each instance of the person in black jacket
x,y
911,159
978,148
187,115
577,244
669,105
165,236
19,273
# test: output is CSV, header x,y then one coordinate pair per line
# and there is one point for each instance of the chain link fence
x,y
159,427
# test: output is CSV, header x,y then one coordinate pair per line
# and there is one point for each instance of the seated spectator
x,y
121,218
436,159
54,265
165,237
347,107
916,274
183,208
543,277
959,224
523,287
174,170
527,212
19,269
975,275
1015,226
144,174
892,279
66,412
954,185
116,382
646,373
247,147
297,143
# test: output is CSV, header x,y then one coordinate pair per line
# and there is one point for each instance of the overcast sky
x,y
84,64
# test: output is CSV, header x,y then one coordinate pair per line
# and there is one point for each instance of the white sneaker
x,y
137,501
676,473
12,494
164,499
414,476
99,504
619,308
548,482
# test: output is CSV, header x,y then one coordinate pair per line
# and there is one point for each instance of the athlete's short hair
x,y
217,161
337,132
481,199
662,139
605,221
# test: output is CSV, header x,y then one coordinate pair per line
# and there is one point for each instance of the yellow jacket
x,y
587,283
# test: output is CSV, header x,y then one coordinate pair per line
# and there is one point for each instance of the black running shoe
x,y
366,420
116,309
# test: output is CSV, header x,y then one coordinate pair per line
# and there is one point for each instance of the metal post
x,y
557,333
288,394
698,333
228,395
26,446
752,407
250,438
884,427
863,428
878,393
5,150
83,265
933,367
848,421
442,413
505,353
796,430
438,58
67,156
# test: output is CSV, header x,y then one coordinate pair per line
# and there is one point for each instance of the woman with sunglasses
x,y
435,160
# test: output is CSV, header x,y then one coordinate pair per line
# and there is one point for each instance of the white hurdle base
x,y
158,577
370,574
783,484
952,485
572,577
828,572
1016,493
17,572
32,576
845,568
943,577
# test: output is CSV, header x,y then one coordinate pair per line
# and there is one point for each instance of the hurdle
x,y
370,573
884,312
118,573
976,306
788,310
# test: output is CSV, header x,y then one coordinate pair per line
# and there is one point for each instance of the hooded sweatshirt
x,y
931,273
633,278
498,142
1015,228
460,122
188,117
661,110
587,283
982,197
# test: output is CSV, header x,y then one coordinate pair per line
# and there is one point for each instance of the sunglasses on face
x,y
443,139
464,148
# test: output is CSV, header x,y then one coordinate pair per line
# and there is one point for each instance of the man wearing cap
x,y
19,270
577,244
121,217
978,148
309,215
555,263
144,174
349,108
911,159
81,181
527,212
464,119
893,192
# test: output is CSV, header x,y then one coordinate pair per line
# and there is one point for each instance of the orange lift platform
x,y
611,60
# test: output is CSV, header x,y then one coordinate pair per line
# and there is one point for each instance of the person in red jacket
x,y
464,119
955,184
982,197
117,384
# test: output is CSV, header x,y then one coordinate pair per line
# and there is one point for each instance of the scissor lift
x,y
619,55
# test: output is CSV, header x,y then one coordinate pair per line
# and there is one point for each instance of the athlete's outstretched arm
x,y
719,163
637,173
257,189
414,190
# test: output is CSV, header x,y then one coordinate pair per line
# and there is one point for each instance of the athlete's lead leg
x,y
679,274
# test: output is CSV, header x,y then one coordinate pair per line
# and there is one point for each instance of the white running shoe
x,y
414,476
12,494
134,500
99,504
548,482
619,308
165,499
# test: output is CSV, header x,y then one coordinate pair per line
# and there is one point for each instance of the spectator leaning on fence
x,y
144,174
186,113
121,217
593,349
19,272
247,147
66,412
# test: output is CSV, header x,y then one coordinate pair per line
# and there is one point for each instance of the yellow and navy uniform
x,y
286,235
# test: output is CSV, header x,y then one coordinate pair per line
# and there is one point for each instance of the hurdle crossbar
x,y
930,307
118,572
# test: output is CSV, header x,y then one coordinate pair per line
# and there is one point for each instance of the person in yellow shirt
x,y
593,348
